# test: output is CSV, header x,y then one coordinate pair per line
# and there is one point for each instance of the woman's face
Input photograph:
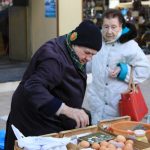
x,y
111,28
85,54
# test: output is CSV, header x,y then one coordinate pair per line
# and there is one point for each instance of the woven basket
x,y
127,127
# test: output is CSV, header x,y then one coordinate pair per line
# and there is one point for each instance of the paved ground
x,y
6,91
5,99
11,70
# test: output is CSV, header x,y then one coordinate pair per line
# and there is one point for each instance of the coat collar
x,y
131,34
61,42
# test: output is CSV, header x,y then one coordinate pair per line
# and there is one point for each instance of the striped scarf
x,y
73,55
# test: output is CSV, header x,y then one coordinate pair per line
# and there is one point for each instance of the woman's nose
x,y
109,30
89,57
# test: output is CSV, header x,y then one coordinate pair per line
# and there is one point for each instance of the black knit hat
x,y
87,34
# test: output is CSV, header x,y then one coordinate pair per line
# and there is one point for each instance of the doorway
x,y
4,33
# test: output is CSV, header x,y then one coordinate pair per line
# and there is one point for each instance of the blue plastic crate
x,y
2,138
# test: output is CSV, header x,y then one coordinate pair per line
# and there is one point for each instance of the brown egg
x,y
104,143
128,147
95,146
113,142
103,148
119,149
129,141
120,138
120,145
84,144
111,146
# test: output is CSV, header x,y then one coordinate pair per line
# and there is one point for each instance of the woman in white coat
x,y
111,66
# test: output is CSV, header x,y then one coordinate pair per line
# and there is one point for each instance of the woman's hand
x,y
79,115
114,73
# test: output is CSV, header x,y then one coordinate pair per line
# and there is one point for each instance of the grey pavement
x,y
7,89
11,70
5,100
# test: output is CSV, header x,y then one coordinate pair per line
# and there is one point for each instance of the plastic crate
x,y
127,127
2,138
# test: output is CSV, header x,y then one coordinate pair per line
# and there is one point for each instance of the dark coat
x,y
49,80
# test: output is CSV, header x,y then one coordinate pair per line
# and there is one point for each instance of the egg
x,y
84,144
95,146
128,147
104,143
111,146
120,138
129,141
103,148
119,149
120,145
113,142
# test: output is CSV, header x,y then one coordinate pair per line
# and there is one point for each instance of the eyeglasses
x,y
106,28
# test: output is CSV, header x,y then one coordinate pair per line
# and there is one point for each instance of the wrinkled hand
x,y
78,115
114,73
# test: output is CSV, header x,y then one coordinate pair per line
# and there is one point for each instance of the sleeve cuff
x,y
60,109
51,107
123,71
125,30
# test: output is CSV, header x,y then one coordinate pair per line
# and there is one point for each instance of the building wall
x,y
29,28
41,27
17,33
69,15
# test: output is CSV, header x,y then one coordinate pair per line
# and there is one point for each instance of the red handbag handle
x,y
131,85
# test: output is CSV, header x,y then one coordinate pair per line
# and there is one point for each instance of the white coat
x,y
104,92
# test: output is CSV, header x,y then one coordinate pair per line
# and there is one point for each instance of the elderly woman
x,y
111,66
50,95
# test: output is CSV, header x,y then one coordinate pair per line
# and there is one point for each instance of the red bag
x,y
132,102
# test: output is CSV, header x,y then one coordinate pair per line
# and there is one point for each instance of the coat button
x,y
106,103
107,65
106,83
